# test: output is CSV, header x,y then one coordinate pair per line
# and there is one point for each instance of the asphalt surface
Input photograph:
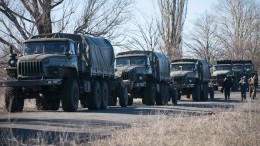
x,y
100,123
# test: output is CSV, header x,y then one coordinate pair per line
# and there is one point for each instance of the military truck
x,y
191,76
239,71
65,68
219,71
146,74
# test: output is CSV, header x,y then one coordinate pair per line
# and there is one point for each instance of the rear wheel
x,y
149,94
14,102
70,95
94,101
196,92
105,95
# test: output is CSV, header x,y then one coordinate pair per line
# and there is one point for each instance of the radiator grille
x,y
125,75
29,68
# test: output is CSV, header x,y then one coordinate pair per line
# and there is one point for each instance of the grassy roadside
x,y
238,127
229,127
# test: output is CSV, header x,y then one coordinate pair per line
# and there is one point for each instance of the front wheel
x,y
211,92
70,95
174,95
14,102
149,94
123,97
196,93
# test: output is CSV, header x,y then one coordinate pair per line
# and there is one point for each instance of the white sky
x,y
195,8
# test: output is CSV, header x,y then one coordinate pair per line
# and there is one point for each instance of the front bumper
x,y
183,86
131,84
24,83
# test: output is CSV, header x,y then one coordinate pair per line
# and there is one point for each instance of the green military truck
x,y
146,74
219,71
63,68
191,76
239,71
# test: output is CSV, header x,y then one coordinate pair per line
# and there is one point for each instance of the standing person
x,y
227,84
252,87
243,87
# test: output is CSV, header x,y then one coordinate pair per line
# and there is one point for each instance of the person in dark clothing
x,y
243,87
227,84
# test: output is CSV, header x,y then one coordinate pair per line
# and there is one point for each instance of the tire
x,y
84,102
149,94
196,92
167,94
55,104
211,92
94,101
130,100
204,96
160,98
123,97
70,95
179,95
48,103
14,102
174,96
105,95
112,101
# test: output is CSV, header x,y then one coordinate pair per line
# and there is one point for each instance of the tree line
x,y
230,31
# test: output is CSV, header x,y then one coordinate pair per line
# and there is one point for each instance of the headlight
x,y
46,61
190,80
140,77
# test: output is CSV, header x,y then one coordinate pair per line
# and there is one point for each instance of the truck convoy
x,y
191,76
234,68
146,74
65,68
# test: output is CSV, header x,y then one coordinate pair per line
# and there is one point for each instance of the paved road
x,y
104,122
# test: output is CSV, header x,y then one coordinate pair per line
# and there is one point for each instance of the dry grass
x,y
227,127
238,127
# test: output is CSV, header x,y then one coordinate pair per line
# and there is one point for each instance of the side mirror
x,y
12,58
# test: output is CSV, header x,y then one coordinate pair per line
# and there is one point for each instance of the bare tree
x,y
202,40
144,37
173,15
21,19
237,25
104,18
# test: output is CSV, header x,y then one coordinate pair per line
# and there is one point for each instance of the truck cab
x,y
46,58
219,71
191,76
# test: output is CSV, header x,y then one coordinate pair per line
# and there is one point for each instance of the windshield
x,y
222,67
182,67
238,67
248,67
126,61
44,47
